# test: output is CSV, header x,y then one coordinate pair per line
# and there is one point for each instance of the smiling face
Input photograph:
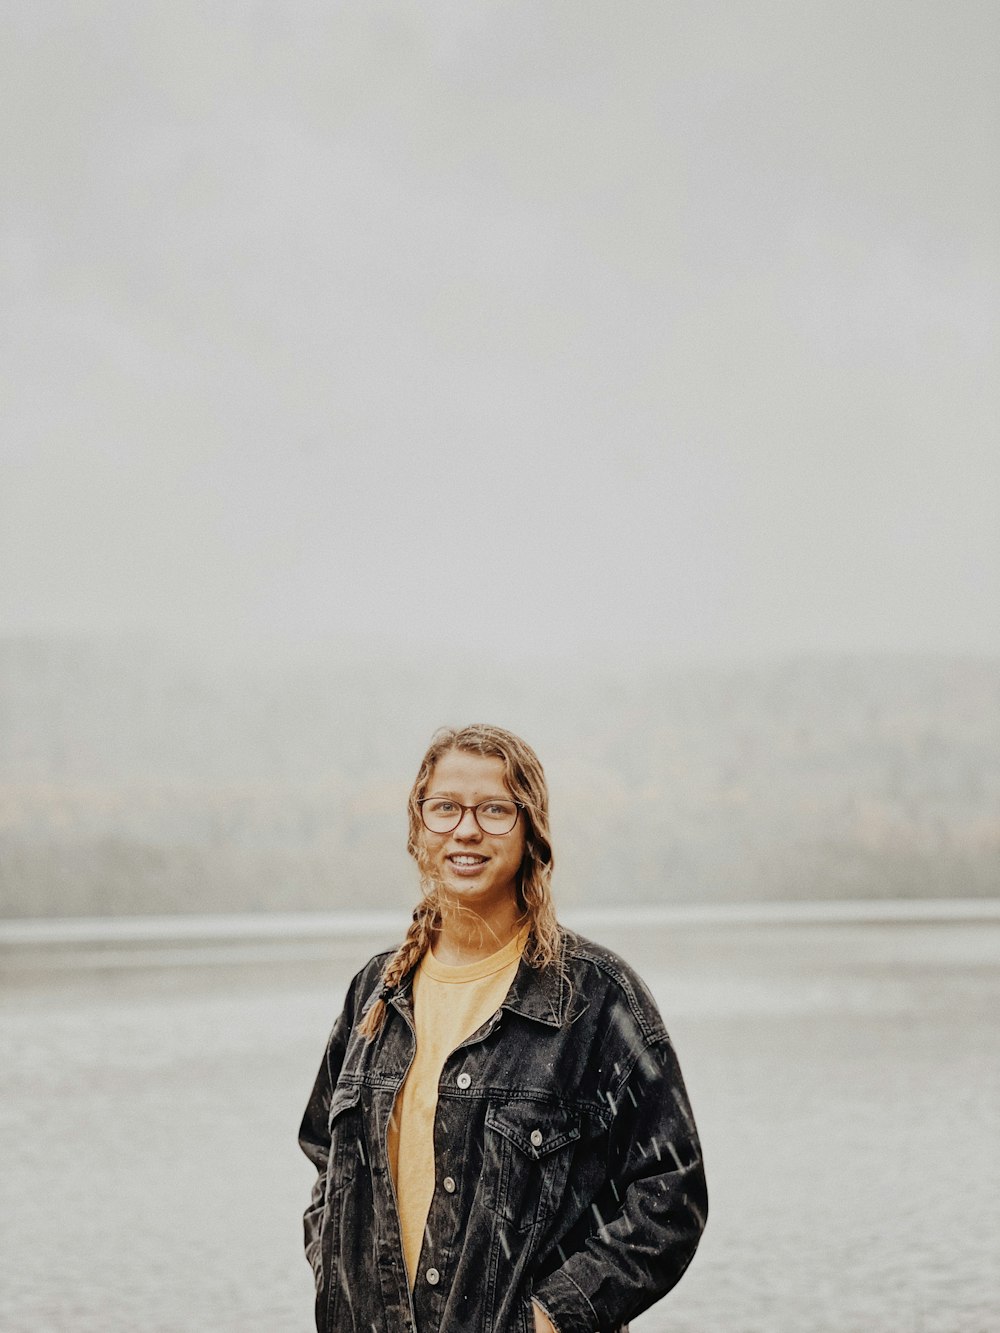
x,y
480,869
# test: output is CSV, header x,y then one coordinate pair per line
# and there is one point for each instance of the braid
x,y
426,917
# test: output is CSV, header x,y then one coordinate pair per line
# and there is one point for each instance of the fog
x,y
625,376
489,331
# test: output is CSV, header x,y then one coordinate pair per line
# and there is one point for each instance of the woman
x,y
500,1127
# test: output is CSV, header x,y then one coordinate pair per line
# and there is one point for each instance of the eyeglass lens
x,y
441,815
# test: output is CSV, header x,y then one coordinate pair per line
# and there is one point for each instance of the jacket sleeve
x,y
648,1220
314,1132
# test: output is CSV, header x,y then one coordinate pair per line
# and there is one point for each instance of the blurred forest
x,y
135,780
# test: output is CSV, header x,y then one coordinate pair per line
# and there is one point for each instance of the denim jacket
x,y
567,1161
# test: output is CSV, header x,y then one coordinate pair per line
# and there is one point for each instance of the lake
x,y
845,1077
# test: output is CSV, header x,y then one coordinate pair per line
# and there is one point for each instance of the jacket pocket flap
x,y
535,1129
345,1095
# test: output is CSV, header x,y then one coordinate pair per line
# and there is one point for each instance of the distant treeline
x,y
134,781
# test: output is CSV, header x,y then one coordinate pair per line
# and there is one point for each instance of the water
x,y
846,1081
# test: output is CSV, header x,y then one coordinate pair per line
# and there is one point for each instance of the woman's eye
x,y
442,807
495,808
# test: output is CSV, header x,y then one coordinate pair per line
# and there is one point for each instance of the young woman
x,y
499,1124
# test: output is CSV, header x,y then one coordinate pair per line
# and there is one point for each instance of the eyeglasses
x,y
442,815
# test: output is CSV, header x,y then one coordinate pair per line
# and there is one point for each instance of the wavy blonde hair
x,y
526,782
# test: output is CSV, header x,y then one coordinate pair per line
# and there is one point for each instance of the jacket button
x,y
449,1185
433,1276
536,1137
464,1080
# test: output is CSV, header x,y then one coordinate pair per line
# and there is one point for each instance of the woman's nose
x,y
467,825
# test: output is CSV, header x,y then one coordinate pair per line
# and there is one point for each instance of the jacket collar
x,y
540,994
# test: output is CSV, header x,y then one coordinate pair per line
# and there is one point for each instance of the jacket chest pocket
x,y
528,1150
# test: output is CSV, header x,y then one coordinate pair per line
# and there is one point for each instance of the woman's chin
x,y
454,886
480,890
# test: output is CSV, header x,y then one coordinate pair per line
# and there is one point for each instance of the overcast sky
x,y
492,327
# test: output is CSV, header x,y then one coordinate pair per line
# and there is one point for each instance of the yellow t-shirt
x,y
449,1004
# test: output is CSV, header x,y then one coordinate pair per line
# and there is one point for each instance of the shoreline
x,y
15,931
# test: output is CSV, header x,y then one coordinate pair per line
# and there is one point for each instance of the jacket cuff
x,y
566,1305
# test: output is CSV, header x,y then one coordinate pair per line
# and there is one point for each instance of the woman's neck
x,y
465,936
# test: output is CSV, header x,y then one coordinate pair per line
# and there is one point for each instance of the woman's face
x,y
479,868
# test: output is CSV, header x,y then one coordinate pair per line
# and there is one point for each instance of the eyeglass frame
x,y
519,805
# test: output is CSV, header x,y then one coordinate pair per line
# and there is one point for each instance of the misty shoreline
x,y
42,947
130,786
279,925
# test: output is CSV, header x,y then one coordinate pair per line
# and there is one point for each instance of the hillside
x,y
132,780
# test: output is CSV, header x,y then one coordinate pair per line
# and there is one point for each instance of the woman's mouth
x,y
466,863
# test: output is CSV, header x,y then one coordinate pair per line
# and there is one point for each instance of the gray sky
x,y
489,327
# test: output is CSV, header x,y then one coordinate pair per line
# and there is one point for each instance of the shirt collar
x,y
543,994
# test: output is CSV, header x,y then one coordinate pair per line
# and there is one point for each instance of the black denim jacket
x,y
567,1161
